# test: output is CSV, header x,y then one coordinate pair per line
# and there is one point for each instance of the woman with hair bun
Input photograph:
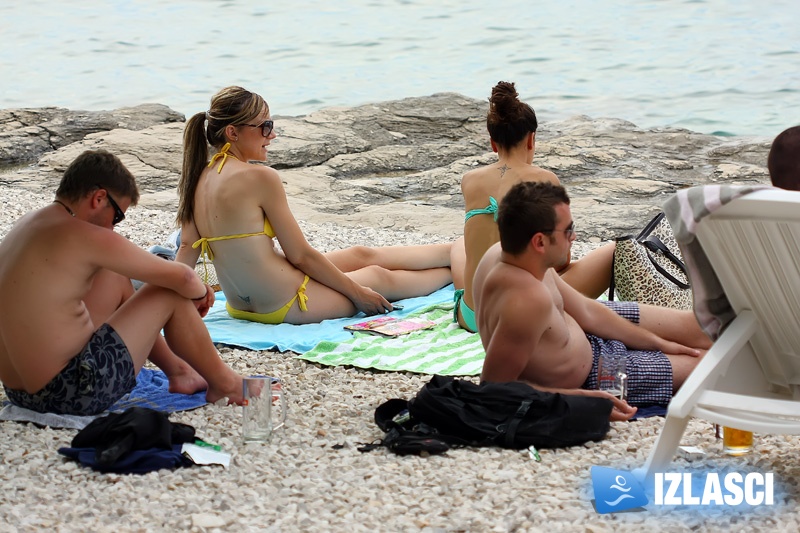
x,y
512,129
233,210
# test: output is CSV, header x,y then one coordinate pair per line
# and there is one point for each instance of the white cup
x,y
263,401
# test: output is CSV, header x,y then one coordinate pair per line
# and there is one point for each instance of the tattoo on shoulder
x,y
503,170
245,299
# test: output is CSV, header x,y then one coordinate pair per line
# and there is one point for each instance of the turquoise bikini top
x,y
490,209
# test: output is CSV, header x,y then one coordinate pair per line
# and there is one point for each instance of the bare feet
x,y
228,385
186,380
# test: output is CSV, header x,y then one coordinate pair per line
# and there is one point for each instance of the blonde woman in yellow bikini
x,y
233,210
512,128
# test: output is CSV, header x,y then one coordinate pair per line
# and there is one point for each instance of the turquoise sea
x,y
716,66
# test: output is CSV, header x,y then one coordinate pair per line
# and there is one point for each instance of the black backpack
x,y
447,412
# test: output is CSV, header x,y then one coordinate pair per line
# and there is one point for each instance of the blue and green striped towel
x,y
446,349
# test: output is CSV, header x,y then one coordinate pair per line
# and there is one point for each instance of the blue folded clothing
x,y
134,462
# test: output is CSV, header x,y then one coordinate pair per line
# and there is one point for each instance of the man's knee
x,y
682,366
154,293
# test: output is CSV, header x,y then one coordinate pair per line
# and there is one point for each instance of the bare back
x,y
50,261
480,232
255,276
525,331
43,325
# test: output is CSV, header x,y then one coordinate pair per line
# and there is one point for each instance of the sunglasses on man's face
x,y
119,215
266,127
569,231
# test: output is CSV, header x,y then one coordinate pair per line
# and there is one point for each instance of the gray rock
x,y
26,134
399,164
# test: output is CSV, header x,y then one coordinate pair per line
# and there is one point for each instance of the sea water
x,y
714,66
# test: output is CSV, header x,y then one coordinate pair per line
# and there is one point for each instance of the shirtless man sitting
x,y
73,335
536,328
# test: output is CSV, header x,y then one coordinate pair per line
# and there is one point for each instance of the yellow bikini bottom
x,y
275,317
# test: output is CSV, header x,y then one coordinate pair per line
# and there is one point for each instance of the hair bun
x,y
504,101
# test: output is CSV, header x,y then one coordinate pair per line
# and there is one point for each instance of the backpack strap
x,y
511,431
404,435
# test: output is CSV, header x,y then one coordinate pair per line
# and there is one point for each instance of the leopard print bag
x,y
649,268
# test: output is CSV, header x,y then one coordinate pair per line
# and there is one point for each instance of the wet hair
x,y
232,105
509,120
528,208
97,169
784,160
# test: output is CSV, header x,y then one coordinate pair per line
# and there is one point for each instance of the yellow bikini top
x,y
203,242
206,249
224,155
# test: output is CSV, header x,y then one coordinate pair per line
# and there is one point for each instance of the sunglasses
x,y
119,215
569,231
266,127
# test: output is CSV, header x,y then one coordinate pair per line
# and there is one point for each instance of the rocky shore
x,y
385,173
397,165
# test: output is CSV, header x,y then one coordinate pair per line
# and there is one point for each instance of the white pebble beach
x,y
312,477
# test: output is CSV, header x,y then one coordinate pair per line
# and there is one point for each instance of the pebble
x,y
207,520
300,482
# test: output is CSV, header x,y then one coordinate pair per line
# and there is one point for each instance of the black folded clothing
x,y
136,428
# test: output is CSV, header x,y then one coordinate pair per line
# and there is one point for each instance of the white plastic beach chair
x,y
750,378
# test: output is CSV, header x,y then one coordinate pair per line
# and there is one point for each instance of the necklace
x,y
65,206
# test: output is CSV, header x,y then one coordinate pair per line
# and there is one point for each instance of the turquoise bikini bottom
x,y
466,313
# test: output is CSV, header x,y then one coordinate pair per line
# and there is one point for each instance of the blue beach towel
x,y
152,390
302,338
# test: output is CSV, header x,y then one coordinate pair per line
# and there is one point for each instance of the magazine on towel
x,y
391,326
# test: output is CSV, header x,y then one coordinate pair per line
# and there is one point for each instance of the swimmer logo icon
x,y
616,490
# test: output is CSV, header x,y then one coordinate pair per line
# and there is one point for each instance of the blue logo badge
x,y
616,490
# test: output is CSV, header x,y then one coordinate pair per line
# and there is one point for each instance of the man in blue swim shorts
x,y
73,334
536,328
